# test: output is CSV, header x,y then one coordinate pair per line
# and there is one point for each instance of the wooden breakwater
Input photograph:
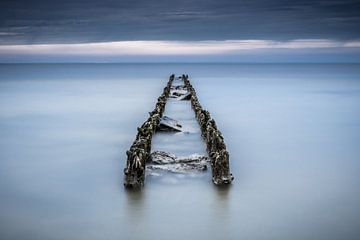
x,y
214,139
140,150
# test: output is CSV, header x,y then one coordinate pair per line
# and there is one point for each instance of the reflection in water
x,y
222,192
223,210
135,214
221,202
135,197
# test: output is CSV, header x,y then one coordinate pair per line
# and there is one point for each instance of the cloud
x,y
80,21
170,47
8,34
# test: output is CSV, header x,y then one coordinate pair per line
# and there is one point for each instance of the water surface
x,y
293,133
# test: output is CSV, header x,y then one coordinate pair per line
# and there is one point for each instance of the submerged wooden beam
x,y
140,151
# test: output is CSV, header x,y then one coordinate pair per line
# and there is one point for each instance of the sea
x,y
292,132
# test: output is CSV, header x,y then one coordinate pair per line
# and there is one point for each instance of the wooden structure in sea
x,y
140,150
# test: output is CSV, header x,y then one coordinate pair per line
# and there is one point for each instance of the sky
x,y
186,30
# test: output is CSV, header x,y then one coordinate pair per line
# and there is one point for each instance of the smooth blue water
x,y
293,133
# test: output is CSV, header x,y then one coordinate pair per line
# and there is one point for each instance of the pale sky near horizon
x,y
202,30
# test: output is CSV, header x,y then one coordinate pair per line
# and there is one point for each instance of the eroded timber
x,y
140,151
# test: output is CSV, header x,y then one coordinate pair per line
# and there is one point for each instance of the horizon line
x,y
227,51
165,48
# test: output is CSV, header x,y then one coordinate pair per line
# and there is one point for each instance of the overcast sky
x,y
179,23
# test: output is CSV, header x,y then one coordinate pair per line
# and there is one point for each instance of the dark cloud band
x,y
79,21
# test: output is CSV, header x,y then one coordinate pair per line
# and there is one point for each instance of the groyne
x,y
140,151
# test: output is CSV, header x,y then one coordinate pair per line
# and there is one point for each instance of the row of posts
x,y
140,150
214,139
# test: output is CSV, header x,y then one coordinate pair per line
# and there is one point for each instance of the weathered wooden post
x,y
140,150
214,140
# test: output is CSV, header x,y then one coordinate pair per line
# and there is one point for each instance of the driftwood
x,y
186,96
168,124
180,92
163,161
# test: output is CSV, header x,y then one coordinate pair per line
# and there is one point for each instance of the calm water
x,y
293,133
